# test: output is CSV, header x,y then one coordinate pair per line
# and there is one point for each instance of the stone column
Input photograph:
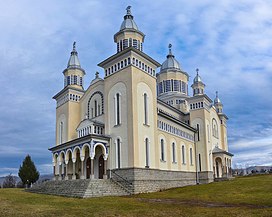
x,y
66,171
105,169
82,168
60,170
74,170
92,169
54,172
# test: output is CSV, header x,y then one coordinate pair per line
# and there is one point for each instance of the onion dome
x,y
73,61
217,100
170,62
197,77
128,22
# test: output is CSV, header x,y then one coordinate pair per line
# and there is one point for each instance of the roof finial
x,y
216,93
128,10
74,46
170,51
197,70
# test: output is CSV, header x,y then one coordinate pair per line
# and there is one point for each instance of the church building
x,y
137,124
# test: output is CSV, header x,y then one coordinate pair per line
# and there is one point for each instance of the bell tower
x,y
198,86
130,105
68,108
129,34
73,74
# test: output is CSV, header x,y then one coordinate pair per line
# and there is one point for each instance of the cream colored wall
x,y
168,163
143,82
145,131
207,142
118,131
71,111
119,83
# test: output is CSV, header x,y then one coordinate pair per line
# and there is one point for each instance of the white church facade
x,y
138,124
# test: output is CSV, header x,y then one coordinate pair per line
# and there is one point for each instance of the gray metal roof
x,y
217,100
73,61
170,62
128,22
197,77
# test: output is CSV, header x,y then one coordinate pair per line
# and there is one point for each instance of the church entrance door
x,y
88,168
101,167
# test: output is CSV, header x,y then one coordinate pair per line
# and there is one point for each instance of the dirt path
x,y
201,203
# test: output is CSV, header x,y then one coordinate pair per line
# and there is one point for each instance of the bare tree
x,y
9,182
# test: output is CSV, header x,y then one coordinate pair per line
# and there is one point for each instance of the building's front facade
x,y
137,126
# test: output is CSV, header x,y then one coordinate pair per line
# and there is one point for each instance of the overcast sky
x,y
229,41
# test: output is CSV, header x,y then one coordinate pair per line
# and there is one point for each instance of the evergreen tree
x,y
28,172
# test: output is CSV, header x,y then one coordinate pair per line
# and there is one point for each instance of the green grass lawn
x,y
246,196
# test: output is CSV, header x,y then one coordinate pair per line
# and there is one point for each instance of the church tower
x,y
223,121
172,81
198,86
129,34
68,110
130,105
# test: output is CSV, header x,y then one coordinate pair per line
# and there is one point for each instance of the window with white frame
x,y
183,154
145,109
162,150
117,109
191,156
174,152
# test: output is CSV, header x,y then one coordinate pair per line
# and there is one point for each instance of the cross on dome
x,y
128,10
170,50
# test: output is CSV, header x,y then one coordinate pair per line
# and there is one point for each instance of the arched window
x,y
162,150
61,133
146,153
183,154
145,110
117,109
118,153
95,108
191,156
68,80
174,152
98,109
198,133
214,128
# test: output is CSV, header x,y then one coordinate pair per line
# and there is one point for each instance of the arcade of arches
x,y
81,163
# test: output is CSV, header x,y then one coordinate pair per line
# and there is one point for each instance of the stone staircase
x,y
80,188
